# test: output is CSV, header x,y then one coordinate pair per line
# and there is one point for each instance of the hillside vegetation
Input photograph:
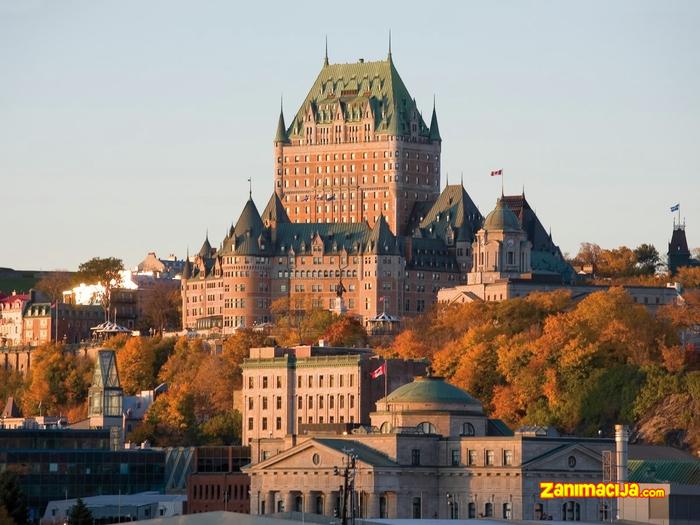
x,y
579,366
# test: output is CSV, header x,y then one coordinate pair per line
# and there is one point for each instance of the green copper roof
x,y
453,209
281,135
434,129
431,390
381,241
659,471
502,219
350,90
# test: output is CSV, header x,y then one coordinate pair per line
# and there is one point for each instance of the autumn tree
x,y
161,305
299,319
346,331
588,253
104,271
53,284
56,381
688,276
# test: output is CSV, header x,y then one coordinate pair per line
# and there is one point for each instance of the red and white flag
x,y
497,173
379,371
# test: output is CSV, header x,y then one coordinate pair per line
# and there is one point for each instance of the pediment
x,y
558,459
318,455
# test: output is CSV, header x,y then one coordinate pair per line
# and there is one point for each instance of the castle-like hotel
x,y
357,222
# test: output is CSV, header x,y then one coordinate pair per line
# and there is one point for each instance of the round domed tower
x,y
501,249
432,406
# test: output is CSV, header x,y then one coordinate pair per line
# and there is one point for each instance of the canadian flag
x,y
497,173
379,371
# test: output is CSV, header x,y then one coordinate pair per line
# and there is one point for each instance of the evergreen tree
x,y
12,498
79,514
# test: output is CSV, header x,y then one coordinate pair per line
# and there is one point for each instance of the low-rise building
x,y
217,482
430,452
285,388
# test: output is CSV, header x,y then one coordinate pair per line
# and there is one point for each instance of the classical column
x,y
373,505
270,502
329,502
289,500
309,502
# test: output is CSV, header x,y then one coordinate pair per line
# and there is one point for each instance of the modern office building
x,y
59,464
217,482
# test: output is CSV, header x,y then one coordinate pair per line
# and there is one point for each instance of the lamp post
x,y
347,489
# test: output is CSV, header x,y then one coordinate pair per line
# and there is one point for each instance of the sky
x,y
130,126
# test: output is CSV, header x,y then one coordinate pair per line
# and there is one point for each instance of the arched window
x,y
571,511
385,428
467,429
507,511
426,428
488,510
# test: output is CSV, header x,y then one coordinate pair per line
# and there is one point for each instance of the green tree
x,y
12,497
79,514
223,429
104,271
648,259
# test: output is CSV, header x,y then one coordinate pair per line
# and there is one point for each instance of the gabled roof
x,y
274,212
352,89
454,208
381,241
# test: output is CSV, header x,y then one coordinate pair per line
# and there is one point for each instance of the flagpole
x,y
502,184
386,376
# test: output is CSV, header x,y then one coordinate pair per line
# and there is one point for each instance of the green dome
x,y
431,390
502,219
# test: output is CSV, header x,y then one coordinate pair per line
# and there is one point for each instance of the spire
x,y
461,178
281,135
389,56
205,250
325,58
187,267
250,189
434,129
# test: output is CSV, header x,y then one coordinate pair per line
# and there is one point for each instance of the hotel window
x,y
455,458
264,382
311,381
278,423
490,457
264,423
472,458
299,382
300,402
507,457
310,402
320,401
250,403
250,382
279,403
279,382
320,378
250,423
264,403
415,457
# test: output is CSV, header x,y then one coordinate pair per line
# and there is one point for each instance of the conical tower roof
x,y
205,250
274,212
434,129
381,240
281,135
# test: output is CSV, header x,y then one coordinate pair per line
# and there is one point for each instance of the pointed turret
x,y
389,55
205,250
187,267
281,135
434,129
274,213
325,57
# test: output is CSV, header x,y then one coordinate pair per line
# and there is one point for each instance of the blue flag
x,y
675,207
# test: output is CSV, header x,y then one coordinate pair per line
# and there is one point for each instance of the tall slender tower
x,y
357,148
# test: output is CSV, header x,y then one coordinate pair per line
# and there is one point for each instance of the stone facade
x,y
288,389
453,463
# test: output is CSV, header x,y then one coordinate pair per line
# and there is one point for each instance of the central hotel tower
x,y
357,147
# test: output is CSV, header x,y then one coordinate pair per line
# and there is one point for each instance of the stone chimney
x,y
621,438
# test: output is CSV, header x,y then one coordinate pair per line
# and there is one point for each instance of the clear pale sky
x,y
131,126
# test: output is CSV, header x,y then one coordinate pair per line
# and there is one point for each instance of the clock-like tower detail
x,y
501,249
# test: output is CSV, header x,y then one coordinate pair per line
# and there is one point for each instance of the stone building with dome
x,y
430,452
